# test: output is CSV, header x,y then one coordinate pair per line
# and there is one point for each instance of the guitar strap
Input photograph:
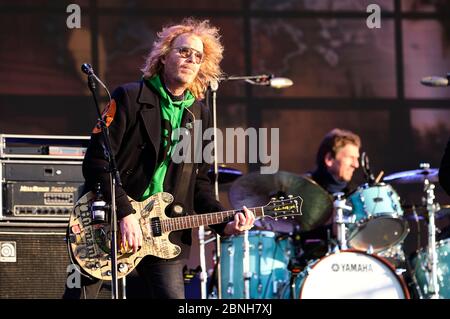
x,y
188,167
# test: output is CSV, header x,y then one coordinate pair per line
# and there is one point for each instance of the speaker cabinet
x,y
33,261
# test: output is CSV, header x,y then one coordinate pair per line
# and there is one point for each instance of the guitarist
x,y
141,117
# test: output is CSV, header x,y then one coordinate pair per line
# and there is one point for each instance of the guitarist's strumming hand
x,y
240,223
131,233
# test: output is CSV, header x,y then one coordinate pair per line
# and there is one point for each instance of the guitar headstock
x,y
284,207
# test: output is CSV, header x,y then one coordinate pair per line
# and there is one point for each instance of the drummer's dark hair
x,y
335,140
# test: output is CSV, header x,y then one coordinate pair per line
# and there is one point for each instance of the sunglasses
x,y
186,52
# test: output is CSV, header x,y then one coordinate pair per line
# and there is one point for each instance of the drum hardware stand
x,y
329,250
293,286
260,286
341,220
333,246
416,219
413,285
295,270
431,208
203,273
230,286
211,294
246,266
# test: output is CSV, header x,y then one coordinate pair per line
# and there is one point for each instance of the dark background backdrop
x,y
345,74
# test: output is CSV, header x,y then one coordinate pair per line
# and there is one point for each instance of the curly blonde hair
x,y
212,51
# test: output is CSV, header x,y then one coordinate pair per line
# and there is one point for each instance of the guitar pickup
x,y
155,226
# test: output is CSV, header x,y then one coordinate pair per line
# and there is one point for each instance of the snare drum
x,y
422,271
269,259
350,274
378,218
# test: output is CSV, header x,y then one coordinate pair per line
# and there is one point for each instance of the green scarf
x,y
172,112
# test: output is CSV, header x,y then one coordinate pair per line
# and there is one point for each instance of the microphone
x,y
272,81
280,83
87,68
366,168
435,81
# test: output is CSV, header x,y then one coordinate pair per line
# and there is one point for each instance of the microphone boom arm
x,y
262,79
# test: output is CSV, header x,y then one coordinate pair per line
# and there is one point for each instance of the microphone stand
x,y
211,95
212,88
114,180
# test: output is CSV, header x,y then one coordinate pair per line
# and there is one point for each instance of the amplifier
x,y
42,200
15,146
34,260
38,190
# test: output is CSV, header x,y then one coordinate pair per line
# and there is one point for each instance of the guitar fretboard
x,y
194,221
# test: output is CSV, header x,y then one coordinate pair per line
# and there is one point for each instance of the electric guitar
x,y
89,243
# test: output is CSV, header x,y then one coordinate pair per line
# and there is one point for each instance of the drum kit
x,y
366,260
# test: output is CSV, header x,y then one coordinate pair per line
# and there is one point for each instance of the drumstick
x,y
379,177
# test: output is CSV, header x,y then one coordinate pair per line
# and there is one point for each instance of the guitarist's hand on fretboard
x,y
240,223
131,233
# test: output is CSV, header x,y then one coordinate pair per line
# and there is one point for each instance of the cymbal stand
x,y
340,219
431,208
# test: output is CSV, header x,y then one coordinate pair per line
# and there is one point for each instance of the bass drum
x,y
349,274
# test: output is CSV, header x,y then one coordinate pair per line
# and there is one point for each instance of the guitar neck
x,y
194,221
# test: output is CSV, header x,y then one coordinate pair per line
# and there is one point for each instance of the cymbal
x,y
414,176
255,189
226,174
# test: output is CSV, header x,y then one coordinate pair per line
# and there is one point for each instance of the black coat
x,y
135,135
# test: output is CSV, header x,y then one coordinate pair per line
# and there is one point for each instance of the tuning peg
x,y
285,217
273,199
290,196
281,197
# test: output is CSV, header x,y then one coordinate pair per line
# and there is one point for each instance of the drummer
x,y
337,159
